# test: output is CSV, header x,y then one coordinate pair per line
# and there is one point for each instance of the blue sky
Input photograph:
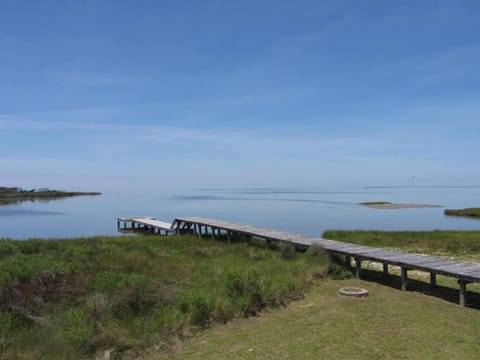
x,y
194,94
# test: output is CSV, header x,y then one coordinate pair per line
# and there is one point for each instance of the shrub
x,y
77,326
167,320
24,267
197,307
142,246
247,289
111,281
318,254
338,272
111,251
31,246
316,251
234,284
199,252
7,323
223,310
287,251
7,248
5,278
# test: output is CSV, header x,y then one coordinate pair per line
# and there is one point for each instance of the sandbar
x,y
398,206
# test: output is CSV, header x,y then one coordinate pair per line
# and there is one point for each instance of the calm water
x,y
307,211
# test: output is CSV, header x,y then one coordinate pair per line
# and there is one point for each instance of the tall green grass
x,y
456,243
76,298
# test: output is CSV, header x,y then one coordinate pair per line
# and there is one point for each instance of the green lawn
x,y
388,324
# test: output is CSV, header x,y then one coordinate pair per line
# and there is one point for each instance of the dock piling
x,y
358,267
385,269
404,278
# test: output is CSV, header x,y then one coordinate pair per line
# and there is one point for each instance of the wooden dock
x,y
465,272
145,223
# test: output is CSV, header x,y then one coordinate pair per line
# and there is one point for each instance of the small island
x,y
468,212
12,195
390,205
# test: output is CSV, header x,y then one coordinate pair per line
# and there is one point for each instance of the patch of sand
x,y
400,206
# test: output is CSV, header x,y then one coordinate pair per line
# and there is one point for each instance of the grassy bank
x,y
459,244
16,195
388,324
468,212
76,298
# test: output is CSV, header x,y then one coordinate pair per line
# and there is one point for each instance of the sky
x,y
104,95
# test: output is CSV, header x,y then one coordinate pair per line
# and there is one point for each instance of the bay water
x,y
308,211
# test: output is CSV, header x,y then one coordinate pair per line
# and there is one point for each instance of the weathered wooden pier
x,y
464,272
146,223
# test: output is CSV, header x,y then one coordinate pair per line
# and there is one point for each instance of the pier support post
x,y
199,231
463,292
228,236
213,232
404,278
433,280
358,267
385,269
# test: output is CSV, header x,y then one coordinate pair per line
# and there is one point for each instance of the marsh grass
x,y
459,244
76,298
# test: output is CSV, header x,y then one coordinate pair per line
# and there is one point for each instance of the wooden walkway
x,y
465,272
144,222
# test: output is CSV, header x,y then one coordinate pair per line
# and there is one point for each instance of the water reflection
x,y
17,201
27,212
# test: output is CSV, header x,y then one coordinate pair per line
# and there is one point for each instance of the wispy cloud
x,y
94,79
105,140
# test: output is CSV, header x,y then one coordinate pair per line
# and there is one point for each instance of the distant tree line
x,y
13,190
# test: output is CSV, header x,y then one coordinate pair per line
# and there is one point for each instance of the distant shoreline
x,y
393,206
15,195
468,212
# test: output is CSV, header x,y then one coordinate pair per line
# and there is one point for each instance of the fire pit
x,y
353,291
